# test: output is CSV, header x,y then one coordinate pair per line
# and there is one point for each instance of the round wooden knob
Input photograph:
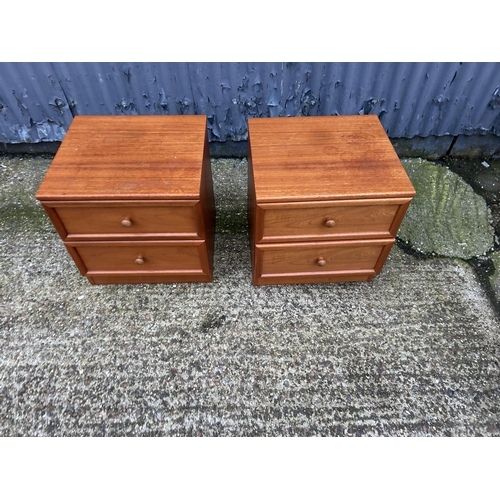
x,y
126,222
321,262
140,260
329,223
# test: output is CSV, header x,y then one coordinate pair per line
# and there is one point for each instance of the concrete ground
x,y
415,352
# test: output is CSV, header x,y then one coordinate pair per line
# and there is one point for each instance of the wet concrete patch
x,y
482,175
412,353
446,217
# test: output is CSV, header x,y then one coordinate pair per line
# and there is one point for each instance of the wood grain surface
x,y
120,257
300,258
332,221
100,220
128,157
132,198
326,198
329,157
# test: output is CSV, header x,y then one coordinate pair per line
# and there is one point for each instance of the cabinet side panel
x,y
399,218
208,205
56,221
77,259
383,257
251,210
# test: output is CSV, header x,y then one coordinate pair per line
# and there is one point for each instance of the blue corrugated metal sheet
x,y
39,100
33,107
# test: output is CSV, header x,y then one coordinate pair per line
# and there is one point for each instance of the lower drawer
x,y
352,260
142,261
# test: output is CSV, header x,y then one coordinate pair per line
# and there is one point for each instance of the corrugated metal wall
x,y
39,100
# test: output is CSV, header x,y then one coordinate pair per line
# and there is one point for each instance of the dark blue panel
x,y
33,107
38,100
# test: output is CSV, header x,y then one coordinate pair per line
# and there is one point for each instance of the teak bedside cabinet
x,y
132,198
326,198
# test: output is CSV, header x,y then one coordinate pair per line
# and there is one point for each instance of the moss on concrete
x,y
446,217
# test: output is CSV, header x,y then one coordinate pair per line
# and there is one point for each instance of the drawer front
x,y
323,221
132,220
364,257
140,257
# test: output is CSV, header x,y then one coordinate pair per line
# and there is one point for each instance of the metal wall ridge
x,y
39,100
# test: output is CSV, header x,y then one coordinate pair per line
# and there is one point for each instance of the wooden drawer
x,y
134,220
325,261
327,221
132,198
140,258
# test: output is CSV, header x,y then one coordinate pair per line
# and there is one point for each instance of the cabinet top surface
x,y
128,157
327,157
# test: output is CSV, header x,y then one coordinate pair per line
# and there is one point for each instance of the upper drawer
x,y
313,221
124,220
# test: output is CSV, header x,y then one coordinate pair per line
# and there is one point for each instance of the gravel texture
x,y
495,276
415,352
